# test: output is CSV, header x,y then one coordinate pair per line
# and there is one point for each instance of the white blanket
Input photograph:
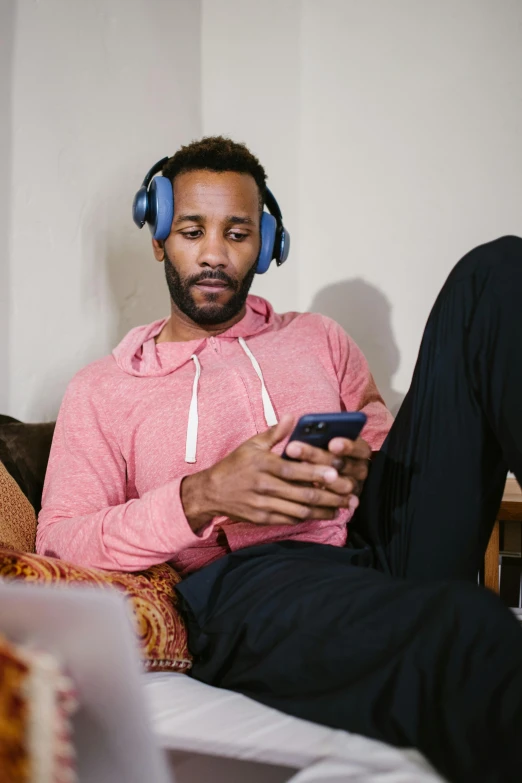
x,y
190,716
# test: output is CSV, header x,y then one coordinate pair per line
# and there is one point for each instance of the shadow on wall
x,y
136,281
123,283
7,30
365,313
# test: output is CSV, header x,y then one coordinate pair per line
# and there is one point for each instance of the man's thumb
x,y
274,435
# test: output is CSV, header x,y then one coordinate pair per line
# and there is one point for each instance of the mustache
x,y
216,274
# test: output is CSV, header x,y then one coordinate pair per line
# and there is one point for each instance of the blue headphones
x,y
154,204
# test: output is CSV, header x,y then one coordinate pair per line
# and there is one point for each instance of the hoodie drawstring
x,y
268,408
193,419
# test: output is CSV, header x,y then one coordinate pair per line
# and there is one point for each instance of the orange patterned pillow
x,y
37,702
160,628
14,715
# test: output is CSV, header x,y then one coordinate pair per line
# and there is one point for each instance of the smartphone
x,y
318,429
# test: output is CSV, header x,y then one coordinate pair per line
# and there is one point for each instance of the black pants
x,y
393,638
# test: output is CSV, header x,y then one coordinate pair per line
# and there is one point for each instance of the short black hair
x,y
217,153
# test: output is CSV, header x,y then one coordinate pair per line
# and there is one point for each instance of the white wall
x,y
251,82
390,132
7,21
100,90
403,123
411,120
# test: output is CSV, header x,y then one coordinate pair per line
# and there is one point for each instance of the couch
x,y
208,734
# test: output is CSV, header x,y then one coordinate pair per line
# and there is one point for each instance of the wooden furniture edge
x,y
510,511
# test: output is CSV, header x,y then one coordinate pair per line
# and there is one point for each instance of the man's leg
x,y
434,490
431,665
436,665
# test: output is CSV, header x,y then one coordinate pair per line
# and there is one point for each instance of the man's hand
x,y
252,484
349,457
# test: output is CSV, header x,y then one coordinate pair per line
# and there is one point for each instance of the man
x,y
168,450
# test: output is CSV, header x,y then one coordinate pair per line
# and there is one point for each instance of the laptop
x,y
90,632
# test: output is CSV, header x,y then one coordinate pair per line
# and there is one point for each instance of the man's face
x,y
211,252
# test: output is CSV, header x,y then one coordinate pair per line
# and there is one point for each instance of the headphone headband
x,y
154,204
273,206
154,170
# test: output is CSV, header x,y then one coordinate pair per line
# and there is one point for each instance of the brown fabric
x,y
17,517
160,628
14,716
8,420
37,702
24,450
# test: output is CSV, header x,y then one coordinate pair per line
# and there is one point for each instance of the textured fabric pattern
x,y
14,715
52,703
159,627
37,702
112,493
17,517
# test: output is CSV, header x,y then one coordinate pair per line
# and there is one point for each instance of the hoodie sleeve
x,y
358,389
85,516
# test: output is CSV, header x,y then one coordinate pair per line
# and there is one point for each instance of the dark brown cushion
x,y
24,450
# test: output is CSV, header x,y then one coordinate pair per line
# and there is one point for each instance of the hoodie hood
x,y
138,354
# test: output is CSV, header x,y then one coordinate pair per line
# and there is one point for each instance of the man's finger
x,y
302,472
357,449
309,495
306,453
355,468
346,462
274,435
276,507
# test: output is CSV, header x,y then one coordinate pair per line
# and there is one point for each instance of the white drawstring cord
x,y
193,419
268,408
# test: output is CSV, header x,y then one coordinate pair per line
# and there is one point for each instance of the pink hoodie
x,y
132,424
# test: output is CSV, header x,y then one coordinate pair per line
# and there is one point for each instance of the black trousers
x,y
391,637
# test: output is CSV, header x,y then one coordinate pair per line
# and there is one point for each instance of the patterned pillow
x,y
160,628
17,517
14,714
37,702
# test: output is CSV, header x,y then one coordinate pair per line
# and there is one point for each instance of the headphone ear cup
x,y
284,246
140,206
268,233
161,207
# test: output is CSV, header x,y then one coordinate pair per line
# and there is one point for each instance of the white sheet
x,y
188,715
353,772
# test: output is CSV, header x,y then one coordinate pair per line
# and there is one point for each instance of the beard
x,y
212,312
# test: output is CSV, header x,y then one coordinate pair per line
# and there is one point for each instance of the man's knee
x,y
496,256
476,608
